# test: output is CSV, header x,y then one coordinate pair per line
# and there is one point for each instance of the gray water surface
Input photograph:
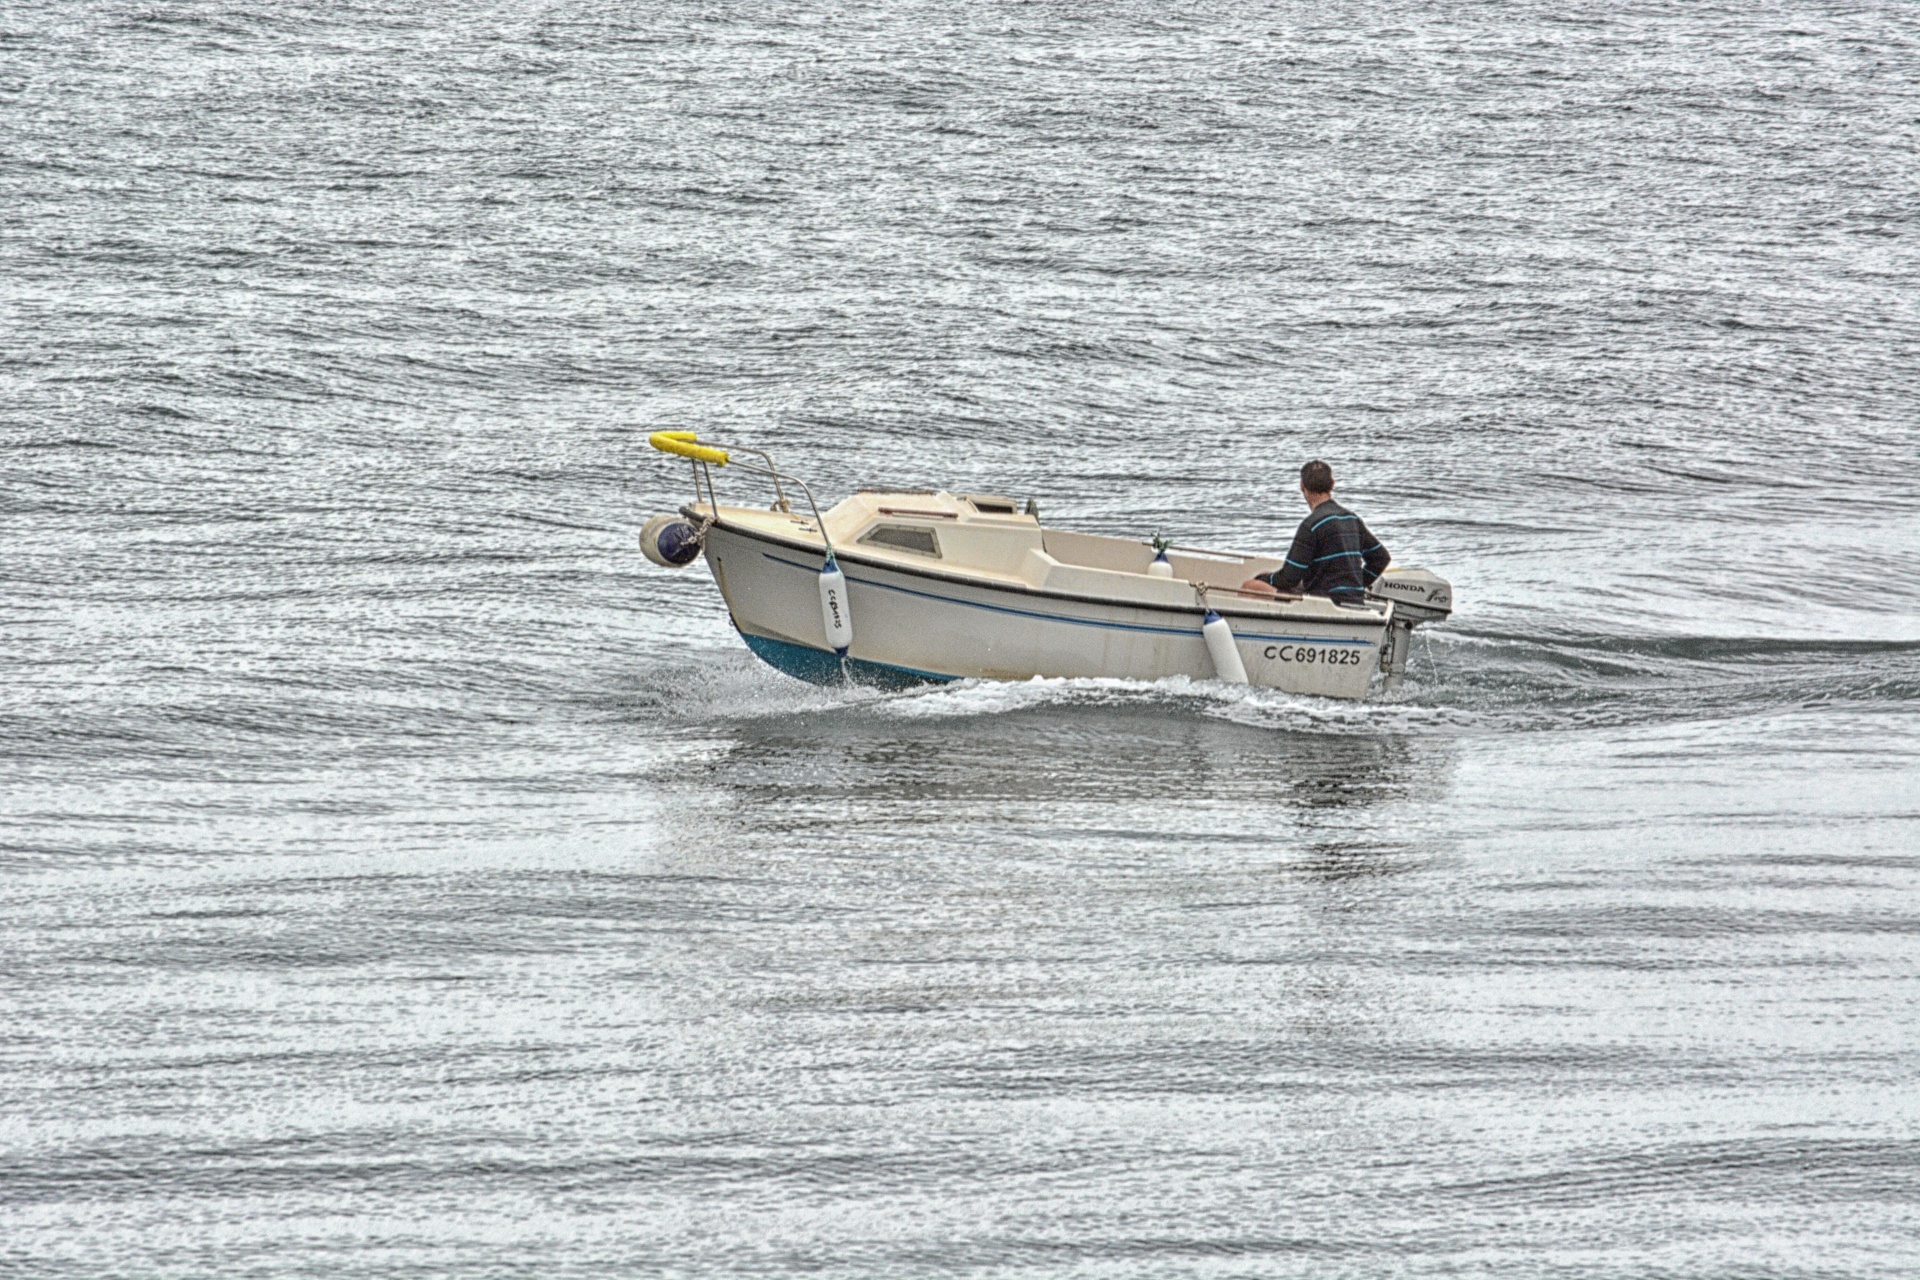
x,y
399,876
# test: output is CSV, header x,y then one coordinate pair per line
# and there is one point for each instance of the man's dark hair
x,y
1316,477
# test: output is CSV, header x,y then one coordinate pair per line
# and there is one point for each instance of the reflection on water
x,y
1205,894
1125,753
1066,815
1334,861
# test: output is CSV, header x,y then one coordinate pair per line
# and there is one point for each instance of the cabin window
x,y
902,537
991,507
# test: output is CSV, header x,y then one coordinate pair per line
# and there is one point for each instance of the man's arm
x,y
1288,578
1373,555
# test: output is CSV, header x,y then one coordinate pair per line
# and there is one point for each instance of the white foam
x,y
996,697
737,687
1240,704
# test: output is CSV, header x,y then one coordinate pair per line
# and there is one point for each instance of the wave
x,y
1457,684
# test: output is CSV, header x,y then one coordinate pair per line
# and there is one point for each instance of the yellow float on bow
x,y
684,444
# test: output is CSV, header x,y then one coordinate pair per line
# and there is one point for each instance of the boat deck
x,y
984,539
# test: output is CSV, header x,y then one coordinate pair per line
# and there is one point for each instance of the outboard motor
x,y
1418,596
670,541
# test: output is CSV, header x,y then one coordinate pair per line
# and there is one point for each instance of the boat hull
x,y
910,627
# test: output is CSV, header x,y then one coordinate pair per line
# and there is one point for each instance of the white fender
x,y
1221,648
1161,567
834,613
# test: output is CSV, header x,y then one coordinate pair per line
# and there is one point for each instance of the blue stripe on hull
x,y
1191,632
821,666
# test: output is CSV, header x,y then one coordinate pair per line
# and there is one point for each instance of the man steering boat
x,y
1333,554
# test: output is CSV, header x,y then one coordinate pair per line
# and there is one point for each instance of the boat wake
x,y
1467,684
1176,695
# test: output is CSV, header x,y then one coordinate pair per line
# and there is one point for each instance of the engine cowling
x,y
1418,595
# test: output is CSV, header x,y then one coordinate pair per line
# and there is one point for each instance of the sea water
x,y
401,876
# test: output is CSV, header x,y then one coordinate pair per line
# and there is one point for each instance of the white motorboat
x,y
903,586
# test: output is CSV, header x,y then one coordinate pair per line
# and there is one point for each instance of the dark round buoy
x,y
670,541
